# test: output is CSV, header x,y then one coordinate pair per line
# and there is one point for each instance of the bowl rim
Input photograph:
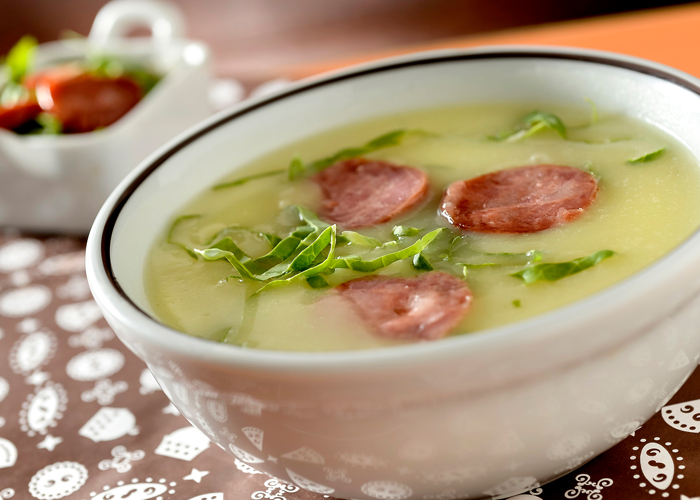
x,y
112,298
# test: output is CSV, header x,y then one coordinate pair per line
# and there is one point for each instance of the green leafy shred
x,y
309,217
476,266
169,237
357,264
421,262
504,259
272,239
359,239
284,249
402,231
308,255
647,157
589,168
516,303
298,169
532,123
533,255
244,180
49,124
20,59
307,252
594,110
557,271
316,269
317,281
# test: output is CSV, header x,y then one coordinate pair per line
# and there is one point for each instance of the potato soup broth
x,y
642,211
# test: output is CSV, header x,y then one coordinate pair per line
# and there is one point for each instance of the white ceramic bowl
x,y
59,183
486,414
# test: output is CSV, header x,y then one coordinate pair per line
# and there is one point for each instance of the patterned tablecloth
x,y
82,418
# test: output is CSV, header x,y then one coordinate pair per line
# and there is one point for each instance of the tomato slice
x,y
15,116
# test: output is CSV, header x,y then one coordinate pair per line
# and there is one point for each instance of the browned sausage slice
x,y
83,102
424,307
519,200
359,192
14,116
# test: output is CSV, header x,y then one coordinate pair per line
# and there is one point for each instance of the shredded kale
x,y
357,264
594,111
297,169
421,262
556,271
532,123
359,239
647,157
402,231
244,180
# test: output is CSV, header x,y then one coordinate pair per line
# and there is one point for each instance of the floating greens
x,y
360,239
594,110
244,180
401,231
532,123
489,259
169,237
421,262
298,169
307,252
367,266
647,157
557,271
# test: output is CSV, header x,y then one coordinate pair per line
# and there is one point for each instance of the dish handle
x,y
117,18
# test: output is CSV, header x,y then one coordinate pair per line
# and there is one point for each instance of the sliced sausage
x,y
359,192
15,116
83,102
519,200
425,307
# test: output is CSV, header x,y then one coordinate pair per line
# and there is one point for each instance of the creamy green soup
x,y
646,204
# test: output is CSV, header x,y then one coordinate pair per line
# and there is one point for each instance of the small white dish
x,y
58,183
492,413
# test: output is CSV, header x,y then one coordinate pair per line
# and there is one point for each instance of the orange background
x,y
670,36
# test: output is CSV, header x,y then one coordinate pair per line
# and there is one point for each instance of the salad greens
x,y
20,59
18,62
30,119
